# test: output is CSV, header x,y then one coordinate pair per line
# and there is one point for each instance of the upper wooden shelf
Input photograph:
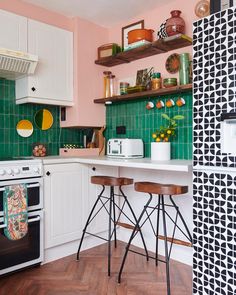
x,y
156,47
149,93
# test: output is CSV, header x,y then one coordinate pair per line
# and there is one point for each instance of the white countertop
x,y
144,163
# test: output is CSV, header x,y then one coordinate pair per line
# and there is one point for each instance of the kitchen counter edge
x,y
144,163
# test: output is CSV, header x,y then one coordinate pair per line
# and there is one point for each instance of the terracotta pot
x,y
140,34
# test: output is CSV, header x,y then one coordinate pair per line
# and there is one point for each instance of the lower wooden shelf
x,y
145,94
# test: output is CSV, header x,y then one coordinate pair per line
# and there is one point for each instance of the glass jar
x,y
175,25
106,83
156,81
123,88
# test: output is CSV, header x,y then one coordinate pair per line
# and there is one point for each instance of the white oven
x,y
28,251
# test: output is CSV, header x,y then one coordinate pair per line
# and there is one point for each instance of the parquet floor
x,y
89,276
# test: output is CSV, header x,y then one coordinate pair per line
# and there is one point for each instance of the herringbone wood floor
x,y
89,276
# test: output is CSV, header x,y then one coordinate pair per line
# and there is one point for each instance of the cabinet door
x,y
53,78
63,203
100,223
13,31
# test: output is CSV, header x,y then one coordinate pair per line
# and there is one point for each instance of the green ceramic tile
x,y
141,122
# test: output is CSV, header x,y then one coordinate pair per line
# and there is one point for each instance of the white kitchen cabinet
x,y
52,82
100,223
63,203
13,31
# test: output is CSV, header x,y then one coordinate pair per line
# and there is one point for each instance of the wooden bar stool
x,y
113,207
163,191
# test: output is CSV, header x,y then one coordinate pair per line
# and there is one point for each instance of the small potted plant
x,y
160,149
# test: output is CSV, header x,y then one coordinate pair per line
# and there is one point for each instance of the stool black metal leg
x,y
132,236
109,231
88,220
157,228
166,246
181,217
114,215
135,219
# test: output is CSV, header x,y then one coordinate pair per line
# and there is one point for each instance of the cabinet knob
x,y
48,173
33,88
94,168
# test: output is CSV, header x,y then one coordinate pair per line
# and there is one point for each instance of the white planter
x,y
160,151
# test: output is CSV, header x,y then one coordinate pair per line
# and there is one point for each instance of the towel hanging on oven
x,y
15,203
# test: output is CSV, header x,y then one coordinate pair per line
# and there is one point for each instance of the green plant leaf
x,y
166,116
178,117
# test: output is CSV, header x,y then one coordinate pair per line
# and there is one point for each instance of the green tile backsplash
x,y
140,123
11,144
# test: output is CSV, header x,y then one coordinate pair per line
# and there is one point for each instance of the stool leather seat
x,y
111,181
160,188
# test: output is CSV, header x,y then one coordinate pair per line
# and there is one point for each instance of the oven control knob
x,y
9,171
16,170
36,169
2,171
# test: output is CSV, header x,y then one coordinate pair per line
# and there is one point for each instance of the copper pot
x,y
140,34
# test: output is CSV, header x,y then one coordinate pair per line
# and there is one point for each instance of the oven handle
x,y
34,219
29,221
2,189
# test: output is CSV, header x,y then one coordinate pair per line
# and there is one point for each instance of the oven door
x,y
34,190
27,251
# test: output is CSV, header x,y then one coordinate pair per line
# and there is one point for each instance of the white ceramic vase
x,y
160,151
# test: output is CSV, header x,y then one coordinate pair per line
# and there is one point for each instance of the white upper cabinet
x,y
13,31
52,82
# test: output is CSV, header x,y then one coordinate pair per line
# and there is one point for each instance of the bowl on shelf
x,y
170,82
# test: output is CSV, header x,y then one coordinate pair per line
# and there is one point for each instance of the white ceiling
x,y
102,12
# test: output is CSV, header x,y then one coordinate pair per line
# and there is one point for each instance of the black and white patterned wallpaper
x,y
214,207
214,85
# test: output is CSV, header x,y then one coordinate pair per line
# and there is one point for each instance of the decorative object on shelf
x,y
137,44
144,77
126,29
123,88
180,102
172,63
149,105
161,34
39,150
43,119
184,69
175,25
170,103
160,149
24,128
109,49
218,5
160,104
169,82
139,35
109,84
202,8
138,88
156,81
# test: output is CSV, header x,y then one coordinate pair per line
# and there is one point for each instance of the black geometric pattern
x,y
214,234
214,85
214,193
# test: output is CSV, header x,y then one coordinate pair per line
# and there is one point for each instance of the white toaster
x,y
125,148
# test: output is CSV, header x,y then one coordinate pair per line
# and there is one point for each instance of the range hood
x,y
16,64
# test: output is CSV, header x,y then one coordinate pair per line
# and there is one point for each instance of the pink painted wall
x,y
153,20
89,77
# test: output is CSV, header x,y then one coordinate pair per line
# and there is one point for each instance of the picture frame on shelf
x,y
127,29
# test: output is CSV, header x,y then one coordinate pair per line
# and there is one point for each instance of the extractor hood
x,y
16,64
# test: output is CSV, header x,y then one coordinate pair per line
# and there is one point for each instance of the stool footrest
x,y
125,225
176,241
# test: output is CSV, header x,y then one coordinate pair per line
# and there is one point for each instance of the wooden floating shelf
x,y
156,47
145,94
